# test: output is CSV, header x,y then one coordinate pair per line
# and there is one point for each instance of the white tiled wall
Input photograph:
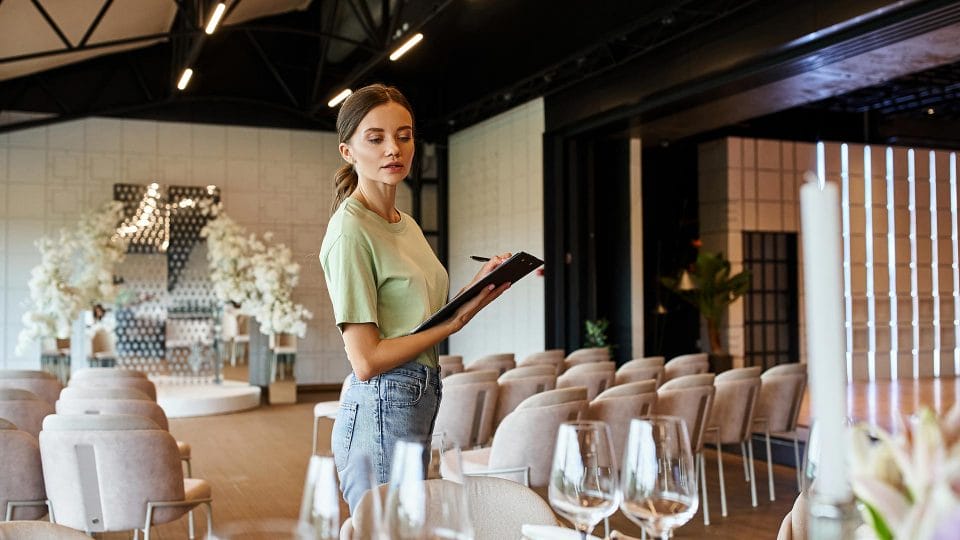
x,y
753,185
496,205
271,179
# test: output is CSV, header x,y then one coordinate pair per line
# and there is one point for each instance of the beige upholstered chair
x,y
778,408
139,407
690,397
108,473
24,409
103,372
497,362
21,478
520,383
641,369
41,383
594,376
113,381
617,405
686,364
523,443
450,364
550,357
325,412
467,409
498,508
38,530
731,421
85,392
586,356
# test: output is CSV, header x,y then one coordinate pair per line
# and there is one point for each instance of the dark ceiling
x,y
478,58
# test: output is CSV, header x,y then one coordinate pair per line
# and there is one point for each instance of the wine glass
x,y
405,513
659,484
320,507
583,480
453,519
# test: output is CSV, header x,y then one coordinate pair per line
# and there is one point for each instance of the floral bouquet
x,y
909,484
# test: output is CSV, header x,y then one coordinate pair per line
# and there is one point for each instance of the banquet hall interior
x,y
746,212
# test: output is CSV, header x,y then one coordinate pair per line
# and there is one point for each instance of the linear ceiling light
x,y
215,18
184,79
339,97
416,38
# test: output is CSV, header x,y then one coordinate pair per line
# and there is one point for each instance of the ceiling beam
x,y
360,9
324,48
95,23
52,23
273,69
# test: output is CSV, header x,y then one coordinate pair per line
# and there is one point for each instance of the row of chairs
x,y
98,458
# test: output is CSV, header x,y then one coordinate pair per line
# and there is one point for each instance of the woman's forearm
x,y
371,355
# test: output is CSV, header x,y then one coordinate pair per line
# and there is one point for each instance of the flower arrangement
x,y
258,277
75,273
909,484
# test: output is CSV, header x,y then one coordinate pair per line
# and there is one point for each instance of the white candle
x,y
826,354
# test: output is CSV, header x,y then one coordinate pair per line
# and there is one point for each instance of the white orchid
x,y
909,484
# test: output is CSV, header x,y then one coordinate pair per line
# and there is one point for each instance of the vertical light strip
x,y
935,264
892,269
914,301
868,264
955,267
847,284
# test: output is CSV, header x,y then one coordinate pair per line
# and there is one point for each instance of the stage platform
x,y
181,399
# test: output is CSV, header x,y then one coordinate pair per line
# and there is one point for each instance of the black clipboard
x,y
510,270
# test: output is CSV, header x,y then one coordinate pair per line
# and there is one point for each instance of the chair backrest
x,y
645,362
41,383
102,372
779,401
139,407
733,406
470,377
554,397
787,369
450,359
586,356
38,530
629,389
595,377
692,403
114,463
498,507
550,357
450,365
499,362
686,364
618,408
467,410
526,438
100,343
86,392
515,389
634,374
24,409
689,381
521,372
21,476
144,385
739,373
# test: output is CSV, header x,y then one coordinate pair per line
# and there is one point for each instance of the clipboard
x,y
510,270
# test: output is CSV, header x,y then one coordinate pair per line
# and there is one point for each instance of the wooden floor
x,y
256,462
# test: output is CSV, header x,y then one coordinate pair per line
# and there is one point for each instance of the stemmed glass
x,y
583,480
320,508
659,482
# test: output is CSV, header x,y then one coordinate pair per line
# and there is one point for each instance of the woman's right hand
x,y
471,308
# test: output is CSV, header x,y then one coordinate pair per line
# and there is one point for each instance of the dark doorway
x,y
770,306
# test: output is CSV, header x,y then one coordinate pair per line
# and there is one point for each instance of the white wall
x,y
271,179
496,205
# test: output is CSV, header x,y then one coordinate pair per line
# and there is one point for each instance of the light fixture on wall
x,y
409,44
215,18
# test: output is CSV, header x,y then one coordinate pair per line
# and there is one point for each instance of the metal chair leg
x,y
743,453
753,477
723,488
773,496
702,463
316,427
191,533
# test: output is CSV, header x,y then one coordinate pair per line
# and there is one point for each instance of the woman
x,y
384,280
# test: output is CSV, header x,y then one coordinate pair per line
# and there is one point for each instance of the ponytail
x,y
344,182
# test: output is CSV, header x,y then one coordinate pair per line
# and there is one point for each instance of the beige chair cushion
x,y
689,381
733,406
738,373
692,403
6,424
26,374
471,377
450,359
635,374
138,407
137,383
645,362
466,414
22,476
85,392
686,364
549,357
38,530
500,362
778,406
40,383
97,422
595,377
595,354
786,369
529,371
629,389
24,409
618,410
591,367
107,372
554,397
18,394
513,390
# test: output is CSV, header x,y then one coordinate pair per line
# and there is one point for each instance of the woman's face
x,y
381,149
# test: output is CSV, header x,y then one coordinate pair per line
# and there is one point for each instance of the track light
x,y
184,79
339,97
414,39
215,18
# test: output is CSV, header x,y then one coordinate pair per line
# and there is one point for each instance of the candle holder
x,y
831,518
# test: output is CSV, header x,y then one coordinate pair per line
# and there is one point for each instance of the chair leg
x,y
136,534
316,427
189,467
702,465
723,488
799,467
773,496
191,532
743,454
233,352
753,476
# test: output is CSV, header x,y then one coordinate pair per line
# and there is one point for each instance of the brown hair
x,y
352,112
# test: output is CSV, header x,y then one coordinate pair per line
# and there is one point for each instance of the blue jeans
x,y
400,404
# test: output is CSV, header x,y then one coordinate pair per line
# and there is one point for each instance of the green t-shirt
x,y
382,273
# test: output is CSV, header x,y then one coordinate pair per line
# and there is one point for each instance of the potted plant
x,y
708,285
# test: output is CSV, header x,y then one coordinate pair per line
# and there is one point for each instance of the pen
x,y
479,258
